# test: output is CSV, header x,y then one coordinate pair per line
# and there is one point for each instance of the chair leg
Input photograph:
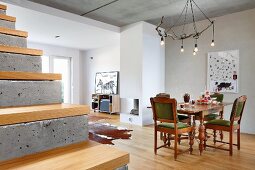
x,y
155,141
169,140
179,139
231,143
191,142
205,139
175,146
221,135
238,139
214,136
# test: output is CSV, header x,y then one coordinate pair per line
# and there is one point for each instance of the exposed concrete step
x,y
27,138
7,21
18,50
24,93
20,62
15,115
15,75
3,7
12,37
15,41
85,155
18,33
2,11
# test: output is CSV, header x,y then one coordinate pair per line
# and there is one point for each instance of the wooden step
x,y
13,32
3,7
15,75
85,155
7,18
18,50
14,115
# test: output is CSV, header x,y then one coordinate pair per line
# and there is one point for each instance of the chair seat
x,y
220,122
180,125
182,117
211,116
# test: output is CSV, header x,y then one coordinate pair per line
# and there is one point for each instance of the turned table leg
x,y
201,135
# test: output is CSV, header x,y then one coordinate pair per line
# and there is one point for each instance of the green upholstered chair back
x,y
237,109
164,109
219,97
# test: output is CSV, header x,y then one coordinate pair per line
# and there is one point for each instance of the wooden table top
x,y
188,109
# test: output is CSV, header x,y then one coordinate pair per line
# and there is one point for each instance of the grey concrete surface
x,y
7,24
18,62
13,40
2,11
22,93
28,138
124,12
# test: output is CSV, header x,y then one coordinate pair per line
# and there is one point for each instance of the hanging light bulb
x,y
182,49
194,53
162,42
212,44
196,49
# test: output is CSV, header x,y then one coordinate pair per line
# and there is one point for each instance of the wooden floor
x,y
142,157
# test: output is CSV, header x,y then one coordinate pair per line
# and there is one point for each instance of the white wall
x,y
187,73
142,68
50,50
131,51
153,78
104,59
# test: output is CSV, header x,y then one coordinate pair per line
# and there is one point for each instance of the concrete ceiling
x,y
124,12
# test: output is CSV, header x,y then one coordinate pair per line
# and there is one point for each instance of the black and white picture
x,y
107,82
223,71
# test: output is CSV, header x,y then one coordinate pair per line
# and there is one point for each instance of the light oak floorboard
x,y
142,156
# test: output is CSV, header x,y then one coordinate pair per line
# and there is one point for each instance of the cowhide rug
x,y
105,133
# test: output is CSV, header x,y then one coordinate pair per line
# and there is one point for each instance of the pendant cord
x,y
201,11
99,7
193,17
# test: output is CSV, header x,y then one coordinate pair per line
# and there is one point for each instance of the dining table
x,y
199,111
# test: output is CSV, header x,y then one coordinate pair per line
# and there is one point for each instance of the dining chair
x,y
228,125
165,121
180,117
219,98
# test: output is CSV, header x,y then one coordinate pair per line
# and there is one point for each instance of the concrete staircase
x,y
32,116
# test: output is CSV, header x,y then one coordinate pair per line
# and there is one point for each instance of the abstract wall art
x,y
223,71
107,82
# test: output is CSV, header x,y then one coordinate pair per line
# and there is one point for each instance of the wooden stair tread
x,y
18,50
14,115
15,75
7,18
13,32
85,155
3,7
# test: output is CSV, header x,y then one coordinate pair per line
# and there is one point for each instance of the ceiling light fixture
x,y
195,34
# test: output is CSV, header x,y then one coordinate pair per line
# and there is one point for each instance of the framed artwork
x,y
107,82
223,71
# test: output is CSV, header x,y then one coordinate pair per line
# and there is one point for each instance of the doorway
x,y
62,65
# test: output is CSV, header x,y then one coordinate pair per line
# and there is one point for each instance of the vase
x,y
186,98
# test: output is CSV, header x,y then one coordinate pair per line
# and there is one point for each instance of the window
x,y
45,64
62,65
